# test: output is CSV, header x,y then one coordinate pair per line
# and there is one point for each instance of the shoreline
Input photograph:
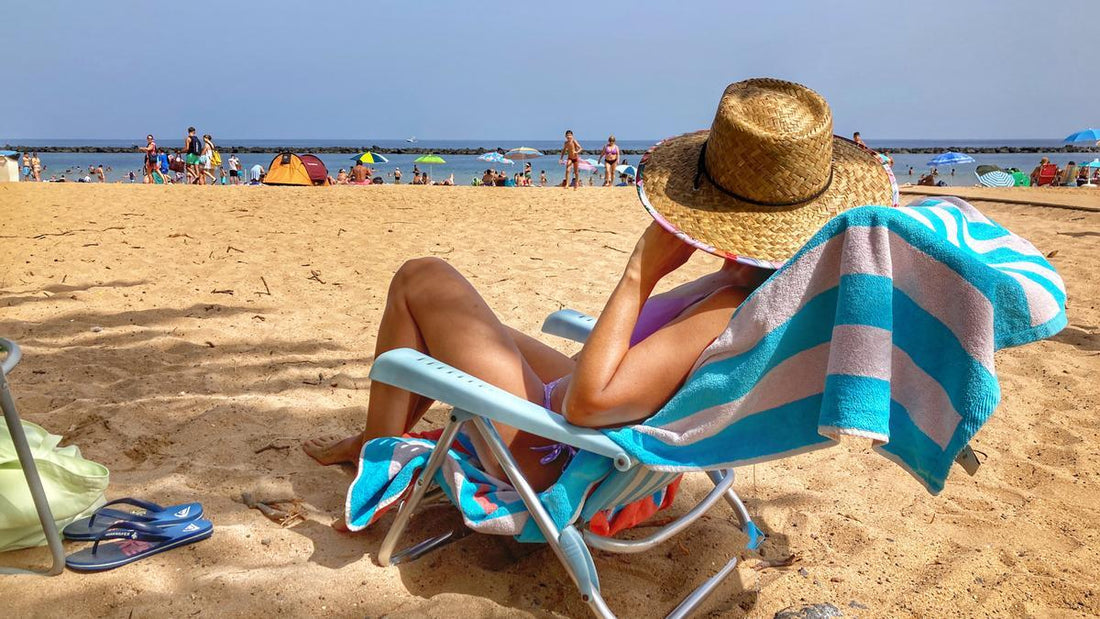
x,y
930,150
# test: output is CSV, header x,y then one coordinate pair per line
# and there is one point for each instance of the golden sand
x,y
189,338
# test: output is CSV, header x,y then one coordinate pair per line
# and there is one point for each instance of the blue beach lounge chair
x,y
883,326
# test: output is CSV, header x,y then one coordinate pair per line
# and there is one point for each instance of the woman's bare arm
x,y
614,383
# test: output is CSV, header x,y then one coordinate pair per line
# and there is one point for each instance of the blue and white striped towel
x,y
883,326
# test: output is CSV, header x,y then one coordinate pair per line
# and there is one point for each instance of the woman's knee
x,y
419,273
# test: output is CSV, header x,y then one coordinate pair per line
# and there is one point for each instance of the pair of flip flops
x,y
152,530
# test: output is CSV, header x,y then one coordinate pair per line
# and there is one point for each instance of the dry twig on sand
x,y
286,518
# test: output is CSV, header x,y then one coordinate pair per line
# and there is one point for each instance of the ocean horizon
x,y
908,167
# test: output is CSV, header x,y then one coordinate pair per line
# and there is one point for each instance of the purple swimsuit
x,y
656,313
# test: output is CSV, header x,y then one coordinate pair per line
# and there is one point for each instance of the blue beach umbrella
x,y
1095,163
1085,135
629,170
950,158
495,157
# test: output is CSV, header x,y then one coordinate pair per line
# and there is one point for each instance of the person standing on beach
x,y
192,145
26,166
571,149
234,169
36,168
151,162
859,140
207,160
542,178
397,176
610,157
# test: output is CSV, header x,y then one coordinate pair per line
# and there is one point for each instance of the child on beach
x,y
572,150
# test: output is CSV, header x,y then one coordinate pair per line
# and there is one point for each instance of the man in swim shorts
x,y
192,146
572,150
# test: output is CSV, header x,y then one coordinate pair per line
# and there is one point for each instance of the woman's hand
x,y
658,253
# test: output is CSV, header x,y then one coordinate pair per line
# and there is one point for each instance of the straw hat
x,y
766,176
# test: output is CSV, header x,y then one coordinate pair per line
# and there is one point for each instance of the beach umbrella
x,y
370,158
950,158
522,153
1095,163
1085,135
431,160
629,170
495,157
992,176
592,162
582,164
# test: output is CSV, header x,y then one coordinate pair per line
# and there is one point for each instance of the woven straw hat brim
x,y
731,228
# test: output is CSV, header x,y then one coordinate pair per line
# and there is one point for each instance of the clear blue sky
x,y
500,70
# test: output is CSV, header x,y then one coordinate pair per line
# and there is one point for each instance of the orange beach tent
x,y
292,169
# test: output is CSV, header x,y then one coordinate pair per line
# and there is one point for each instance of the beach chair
x,y
810,357
1047,173
480,404
26,461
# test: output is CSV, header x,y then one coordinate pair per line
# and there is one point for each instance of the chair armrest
x,y
570,324
417,372
13,356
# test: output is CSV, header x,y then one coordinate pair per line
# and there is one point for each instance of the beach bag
x,y
216,158
74,487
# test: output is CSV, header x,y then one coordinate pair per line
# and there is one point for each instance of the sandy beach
x,y
189,338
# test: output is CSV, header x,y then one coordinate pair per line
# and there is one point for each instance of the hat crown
x,y
771,141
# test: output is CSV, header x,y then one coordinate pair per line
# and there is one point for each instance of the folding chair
x,y
26,461
480,403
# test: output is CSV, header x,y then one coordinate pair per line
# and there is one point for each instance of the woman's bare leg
x,y
432,308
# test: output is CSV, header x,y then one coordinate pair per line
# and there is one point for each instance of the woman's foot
x,y
333,450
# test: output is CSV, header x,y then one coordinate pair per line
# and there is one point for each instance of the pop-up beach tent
x,y
292,169
9,166
316,169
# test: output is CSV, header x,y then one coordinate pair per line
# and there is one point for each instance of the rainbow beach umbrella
x,y
522,153
370,158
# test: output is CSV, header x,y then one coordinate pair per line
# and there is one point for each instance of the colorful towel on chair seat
x,y
388,468
883,326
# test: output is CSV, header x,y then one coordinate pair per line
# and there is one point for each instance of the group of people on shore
x,y
197,163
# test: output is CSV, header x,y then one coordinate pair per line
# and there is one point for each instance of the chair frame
x,y
26,462
479,404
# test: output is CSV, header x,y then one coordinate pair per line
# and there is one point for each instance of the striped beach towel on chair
x,y
883,326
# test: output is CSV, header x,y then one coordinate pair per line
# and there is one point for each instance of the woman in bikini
x,y
642,347
610,157
630,366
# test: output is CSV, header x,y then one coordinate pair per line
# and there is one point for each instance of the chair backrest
x,y
1047,173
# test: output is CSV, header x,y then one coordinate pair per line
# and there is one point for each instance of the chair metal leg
x,y
567,544
755,535
405,512
34,483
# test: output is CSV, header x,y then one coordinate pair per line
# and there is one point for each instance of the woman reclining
x,y
641,349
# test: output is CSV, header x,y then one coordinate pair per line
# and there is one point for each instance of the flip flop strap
x,y
125,529
112,513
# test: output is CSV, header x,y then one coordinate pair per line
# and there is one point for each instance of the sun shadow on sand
x,y
47,293
1078,338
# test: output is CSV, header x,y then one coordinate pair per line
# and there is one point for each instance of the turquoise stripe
x,y
1049,286
726,380
750,438
855,402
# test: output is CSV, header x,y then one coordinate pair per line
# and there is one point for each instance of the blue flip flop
x,y
138,541
88,529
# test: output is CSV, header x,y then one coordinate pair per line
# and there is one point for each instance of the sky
x,y
979,69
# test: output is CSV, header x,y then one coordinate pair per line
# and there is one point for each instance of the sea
x,y
907,167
